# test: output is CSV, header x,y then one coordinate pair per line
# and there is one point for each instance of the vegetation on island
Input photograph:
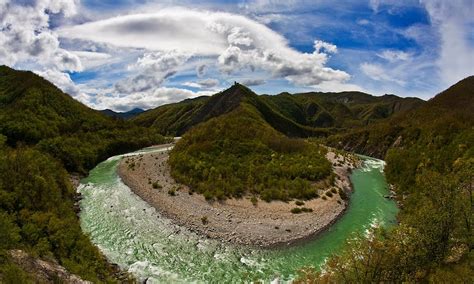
x,y
44,134
239,154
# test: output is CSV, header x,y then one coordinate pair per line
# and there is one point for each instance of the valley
x,y
257,188
145,242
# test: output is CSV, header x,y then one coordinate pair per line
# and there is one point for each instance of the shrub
x,y
172,192
208,195
204,220
306,210
156,185
296,210
343,194
299,203
254,200
329,194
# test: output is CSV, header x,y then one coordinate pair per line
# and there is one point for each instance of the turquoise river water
x,y
134,235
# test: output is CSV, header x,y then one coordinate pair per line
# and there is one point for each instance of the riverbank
x,y
236,220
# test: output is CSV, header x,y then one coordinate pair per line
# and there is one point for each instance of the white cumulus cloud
x,y
236,42
25,36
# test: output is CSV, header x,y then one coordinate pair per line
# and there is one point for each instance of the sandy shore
x,y
235,220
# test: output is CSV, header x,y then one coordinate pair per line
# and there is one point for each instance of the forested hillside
x,y
430,161
34,112
44,134
239,153
298,115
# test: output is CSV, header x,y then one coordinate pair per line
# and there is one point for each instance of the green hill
x,y
430,162
449,109
45,133
298,115
239,152
34,112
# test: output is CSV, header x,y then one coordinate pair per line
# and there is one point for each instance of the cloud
x,y
320,45
363,22
394,55
374,5
25,36
152,70
252,82
203,84
201,70
144,100
90,59
63,81
453,20
235,42
339,87
378,73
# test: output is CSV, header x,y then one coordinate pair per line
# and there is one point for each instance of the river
x,y
134,235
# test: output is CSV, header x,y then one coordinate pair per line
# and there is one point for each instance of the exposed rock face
x,y
44,271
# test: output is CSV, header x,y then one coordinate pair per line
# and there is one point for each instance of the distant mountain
x,y
124,115
298,115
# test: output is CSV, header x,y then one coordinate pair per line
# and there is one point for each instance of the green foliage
x,y
239,153
343,194
12,274
296,210
298,115
36,213
430,160
43,133
299,203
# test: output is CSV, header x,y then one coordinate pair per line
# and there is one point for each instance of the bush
x,y
299,203
343,194
296,210
156,185
172,192
254,200
329,194
204,220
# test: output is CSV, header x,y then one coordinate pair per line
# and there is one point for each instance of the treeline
x,y
432,168
239,153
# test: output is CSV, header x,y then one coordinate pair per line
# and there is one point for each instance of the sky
x,y
122,54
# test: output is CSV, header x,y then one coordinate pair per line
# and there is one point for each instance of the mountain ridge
x,y
297,115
